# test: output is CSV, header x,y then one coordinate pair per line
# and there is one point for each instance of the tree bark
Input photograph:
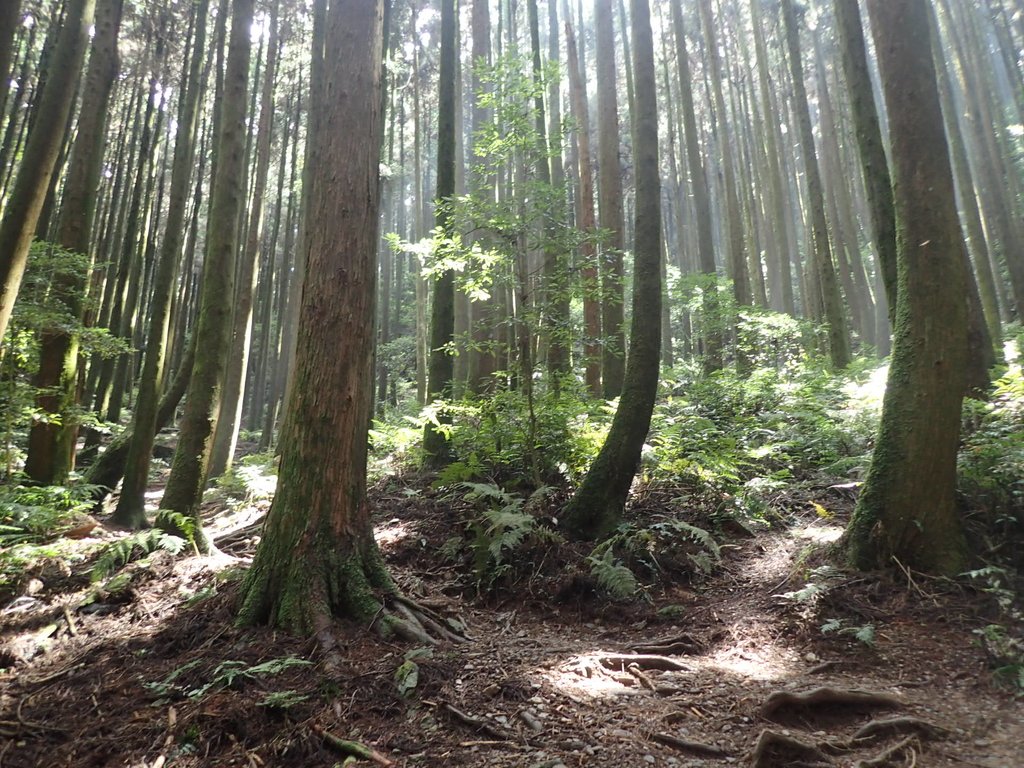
x,y
907,509
130,510
318,558
191,457
23,208
596,509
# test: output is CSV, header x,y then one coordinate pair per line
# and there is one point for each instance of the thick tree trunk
x,y
596,509
318,558
907,509
23,208
191,458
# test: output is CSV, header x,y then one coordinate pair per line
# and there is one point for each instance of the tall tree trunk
x,y
733,214
596,509
229,420
130,510
442,317
907,509
780,277
869,145
609,169
51,447
586,220
318,558
701,197
824,268
191,457
21,213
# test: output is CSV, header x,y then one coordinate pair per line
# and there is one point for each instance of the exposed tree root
x,y
688,747
775,750
481,726
894,755
622,661
683,645
878,729
782,703
353,748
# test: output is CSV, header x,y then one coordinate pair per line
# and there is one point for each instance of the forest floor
x,y
150,671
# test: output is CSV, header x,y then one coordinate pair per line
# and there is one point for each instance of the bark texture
x,y
318,558
907,510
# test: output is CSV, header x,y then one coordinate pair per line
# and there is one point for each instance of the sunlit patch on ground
x,y
767,662
819,534
390,533
584,676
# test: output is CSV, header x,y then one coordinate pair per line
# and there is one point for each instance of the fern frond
x,y
613,577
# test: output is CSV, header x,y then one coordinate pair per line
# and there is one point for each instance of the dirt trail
x,y
543,683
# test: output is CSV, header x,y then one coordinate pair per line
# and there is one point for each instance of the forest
x,y
513,383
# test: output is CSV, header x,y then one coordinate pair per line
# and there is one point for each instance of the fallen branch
x,y
353,748
824,697
644,680
622,661
774,750
474,722
688,747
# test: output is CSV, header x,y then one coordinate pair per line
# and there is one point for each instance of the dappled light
x,y
512,383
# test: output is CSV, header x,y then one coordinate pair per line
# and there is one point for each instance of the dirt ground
x,y
697,674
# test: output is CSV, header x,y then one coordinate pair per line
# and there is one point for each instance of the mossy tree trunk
x,y
191,457
596,509
907,509
318,558
51,447
25,204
